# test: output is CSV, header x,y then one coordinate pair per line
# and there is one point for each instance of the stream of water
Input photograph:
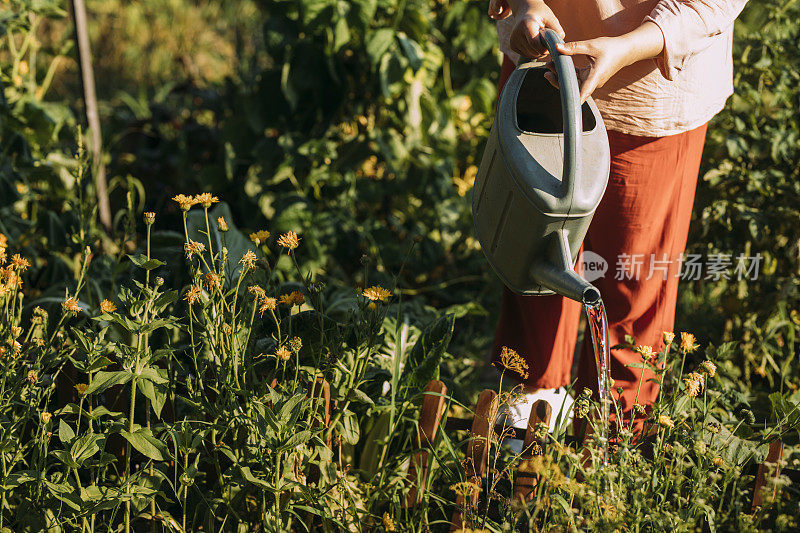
x,y
598,327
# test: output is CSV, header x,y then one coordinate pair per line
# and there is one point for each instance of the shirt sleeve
x,y
690,26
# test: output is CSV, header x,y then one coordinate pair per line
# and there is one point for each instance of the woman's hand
x,y
531,17
607,55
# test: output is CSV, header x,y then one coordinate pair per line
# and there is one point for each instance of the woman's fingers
x,y
576,48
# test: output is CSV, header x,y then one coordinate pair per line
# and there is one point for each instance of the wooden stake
x,y
525,485
773,461
433,404
477,452
90,107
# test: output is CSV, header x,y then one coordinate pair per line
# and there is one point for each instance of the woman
x,y
658,70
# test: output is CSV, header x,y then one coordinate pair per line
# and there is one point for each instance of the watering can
x,y
543,173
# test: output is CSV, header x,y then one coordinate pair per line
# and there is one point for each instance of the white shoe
x,y
518,413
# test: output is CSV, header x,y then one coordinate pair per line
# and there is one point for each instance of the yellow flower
x,y
149,218
708,368
259,236
211,280
666,422
193,294
32,377
20,262
645,351
222,225
293,298
81,388
45,417
205,199
185,202
283,353
193,247
514,362
388,523
465,489
248,259
668,337
376,293
289,240
688,342
257,291
107,307
70,305
718,461
694,384
267,304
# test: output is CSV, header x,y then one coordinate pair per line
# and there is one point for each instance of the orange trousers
x,y
640,229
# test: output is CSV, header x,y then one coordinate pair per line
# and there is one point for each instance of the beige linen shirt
x,y
682,89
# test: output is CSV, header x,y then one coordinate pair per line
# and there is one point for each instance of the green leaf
x,y
65,457
250,478
378,43
357,395
146,444
426,356
65,433
349,428
147,264
154,391
103,380
85,447
296,440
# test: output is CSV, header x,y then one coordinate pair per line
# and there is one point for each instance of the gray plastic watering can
x,y
543,173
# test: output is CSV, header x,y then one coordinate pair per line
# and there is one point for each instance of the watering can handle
x,y
570,107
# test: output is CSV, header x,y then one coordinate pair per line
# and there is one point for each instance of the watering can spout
x,y
555,272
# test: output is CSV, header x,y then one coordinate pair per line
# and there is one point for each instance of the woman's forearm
x,y
645,42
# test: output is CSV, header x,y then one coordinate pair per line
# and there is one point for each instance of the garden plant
x,y
292,261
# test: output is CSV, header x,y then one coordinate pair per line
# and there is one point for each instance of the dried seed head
x,y
708,368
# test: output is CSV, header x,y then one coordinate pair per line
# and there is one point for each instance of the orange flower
x,y
205,199
107,307
259,237
185,202
20,262
193,247
70,305
267,304
688,344
248,259
289,240
222,225
293,298
283,353
376,293
211,280
193,294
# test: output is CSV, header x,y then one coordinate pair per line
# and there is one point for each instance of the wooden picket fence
x,y
483,429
